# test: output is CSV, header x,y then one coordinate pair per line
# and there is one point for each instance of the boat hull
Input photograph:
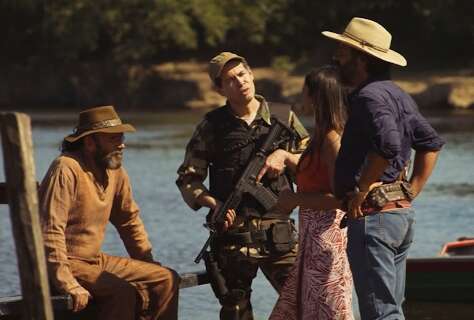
x,y
440,288
440,279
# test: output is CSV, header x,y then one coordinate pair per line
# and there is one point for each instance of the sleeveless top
x,y
314,176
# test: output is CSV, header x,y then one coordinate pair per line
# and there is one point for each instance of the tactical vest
x,y
234,146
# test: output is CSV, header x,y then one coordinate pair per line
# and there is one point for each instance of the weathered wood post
x,y
23,202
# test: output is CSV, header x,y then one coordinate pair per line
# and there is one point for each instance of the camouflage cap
x,y
218,62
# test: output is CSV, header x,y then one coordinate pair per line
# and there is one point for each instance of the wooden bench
x,y
11,308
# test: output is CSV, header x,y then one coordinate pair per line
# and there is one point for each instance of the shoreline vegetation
x,y
186,85
59,57
151,55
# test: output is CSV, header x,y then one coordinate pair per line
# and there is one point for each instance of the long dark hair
x,y
328,101
67,146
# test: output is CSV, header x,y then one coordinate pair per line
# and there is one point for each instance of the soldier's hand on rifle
x,y
274,165
286,202
229,219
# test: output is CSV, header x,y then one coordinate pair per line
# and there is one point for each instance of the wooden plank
x,y
425,310
3,193
24,213
12,307
193,279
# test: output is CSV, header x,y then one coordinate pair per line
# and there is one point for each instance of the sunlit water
x,y
445,210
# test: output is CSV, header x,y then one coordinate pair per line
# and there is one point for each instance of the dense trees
x,y
130,31
74,53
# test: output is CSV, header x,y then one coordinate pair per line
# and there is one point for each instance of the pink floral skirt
x,y
319,286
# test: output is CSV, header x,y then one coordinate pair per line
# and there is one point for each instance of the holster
x,y
216,279
381,195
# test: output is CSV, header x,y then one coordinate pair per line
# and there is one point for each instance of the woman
x,y
320,285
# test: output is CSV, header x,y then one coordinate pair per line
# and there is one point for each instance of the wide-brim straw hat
x,y
98,119
369,36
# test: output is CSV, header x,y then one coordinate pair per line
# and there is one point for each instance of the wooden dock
x,y
20,192
11,308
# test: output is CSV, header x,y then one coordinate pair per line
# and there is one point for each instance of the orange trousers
x,y
128,289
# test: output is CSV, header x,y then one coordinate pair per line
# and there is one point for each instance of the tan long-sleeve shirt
x,y
75,210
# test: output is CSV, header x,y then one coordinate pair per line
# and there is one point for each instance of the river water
x,y
445,209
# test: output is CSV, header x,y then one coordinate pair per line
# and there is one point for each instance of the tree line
x,y
438,32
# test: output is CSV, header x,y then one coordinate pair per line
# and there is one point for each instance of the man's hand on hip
x,y
356,198
80,298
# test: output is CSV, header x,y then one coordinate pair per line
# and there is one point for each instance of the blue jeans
x,y
377,249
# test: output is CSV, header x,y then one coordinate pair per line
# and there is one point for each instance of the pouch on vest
x,y
283,237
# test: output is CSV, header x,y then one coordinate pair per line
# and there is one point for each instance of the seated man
x,y
84,188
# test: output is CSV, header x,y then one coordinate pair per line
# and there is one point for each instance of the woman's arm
x,y
288,200
329,151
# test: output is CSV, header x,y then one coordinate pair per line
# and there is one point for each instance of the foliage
x,y
282,63
131,31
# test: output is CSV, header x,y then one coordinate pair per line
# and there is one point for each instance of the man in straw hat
x,y
383,126
223,143
84,188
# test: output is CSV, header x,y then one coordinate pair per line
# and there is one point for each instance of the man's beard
x,y
347,72
111,160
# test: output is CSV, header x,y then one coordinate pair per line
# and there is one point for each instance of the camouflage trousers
x,y
239,270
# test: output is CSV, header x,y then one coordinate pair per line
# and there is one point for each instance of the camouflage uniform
x,y
238,263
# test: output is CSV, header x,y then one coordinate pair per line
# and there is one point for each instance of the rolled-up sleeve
x,y
193,171
382,128
425,137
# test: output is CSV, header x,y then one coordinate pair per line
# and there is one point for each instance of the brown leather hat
x,y
98,119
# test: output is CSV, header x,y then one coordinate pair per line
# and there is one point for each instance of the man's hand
x,y
80,298
229,219
229,216
355,200
274,164
286,202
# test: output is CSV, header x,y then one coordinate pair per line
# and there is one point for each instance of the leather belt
x,y
399,204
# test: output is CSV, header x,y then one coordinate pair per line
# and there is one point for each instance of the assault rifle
x,y
279,133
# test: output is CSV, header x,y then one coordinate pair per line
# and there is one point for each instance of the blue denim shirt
x,y
382,119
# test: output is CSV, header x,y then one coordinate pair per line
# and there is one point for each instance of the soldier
x,y
84,189
224,142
